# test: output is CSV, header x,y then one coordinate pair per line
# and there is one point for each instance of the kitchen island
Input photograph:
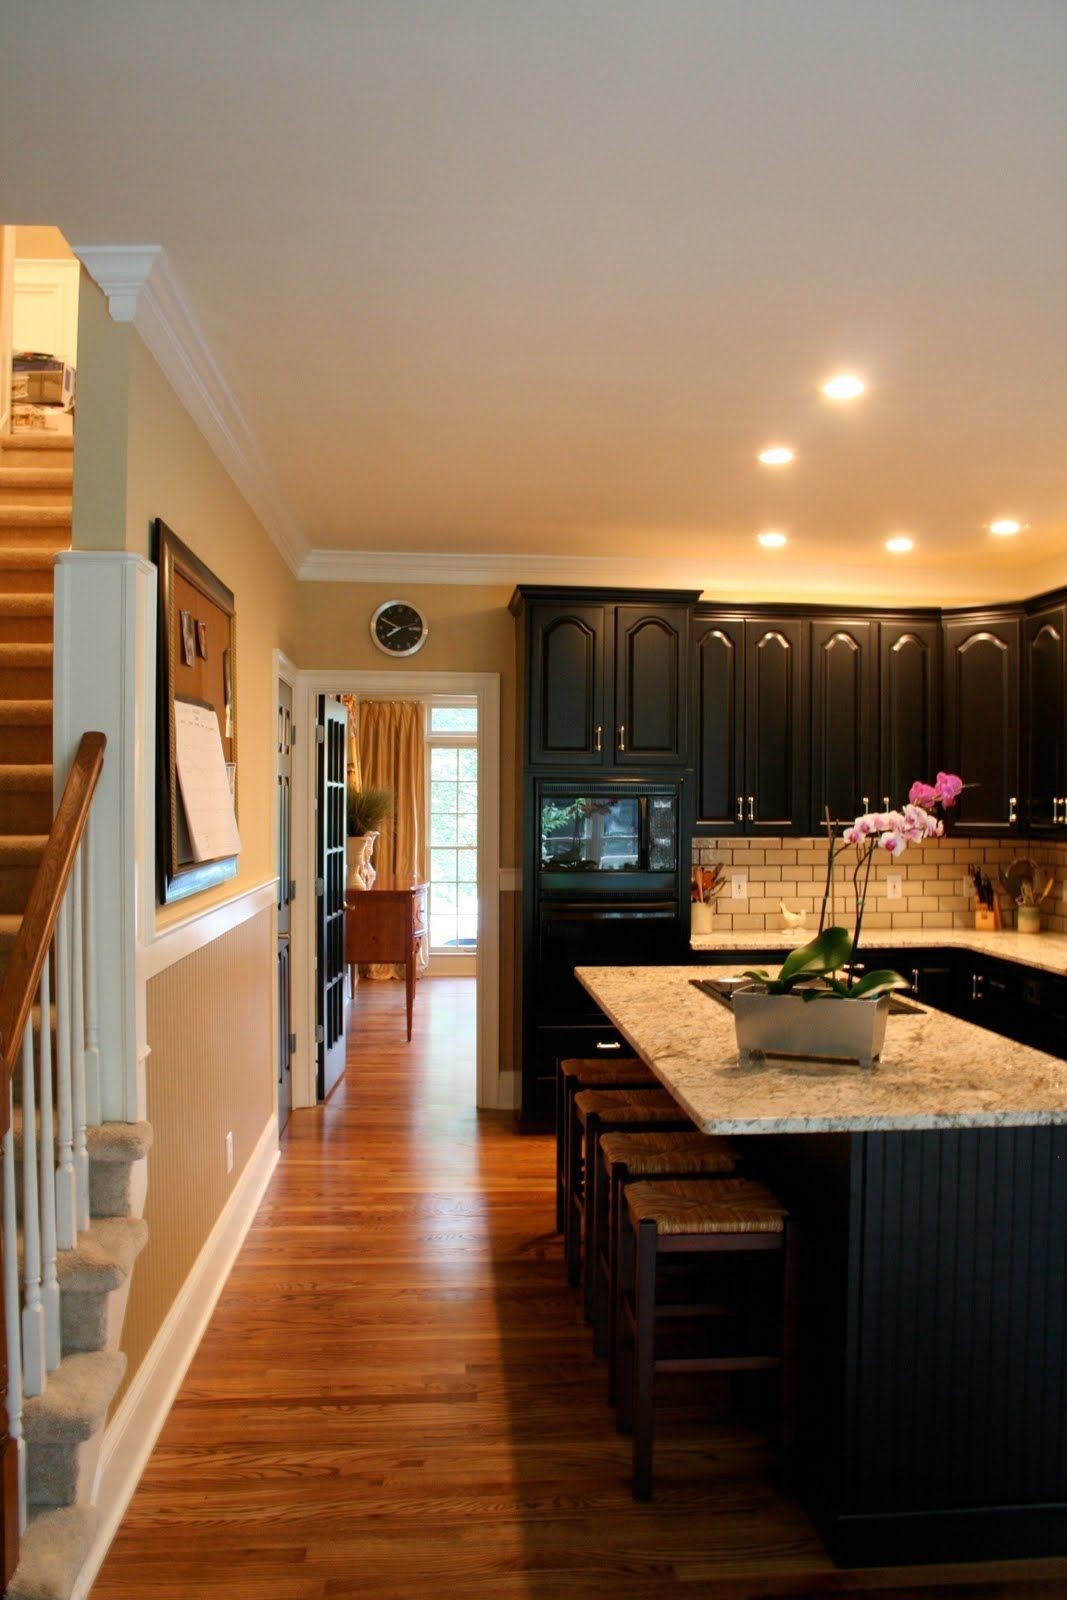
x,y
930,1200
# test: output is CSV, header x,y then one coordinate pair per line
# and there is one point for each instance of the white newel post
x,y
105,674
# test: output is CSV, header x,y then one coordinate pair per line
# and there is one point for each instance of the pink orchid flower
x,y
894,843
924,794
948,788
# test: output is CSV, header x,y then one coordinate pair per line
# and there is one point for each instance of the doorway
x,y
481,691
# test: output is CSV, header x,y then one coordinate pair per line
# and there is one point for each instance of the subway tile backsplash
x,y
932,882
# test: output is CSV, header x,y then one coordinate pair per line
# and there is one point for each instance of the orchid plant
x,y
834,948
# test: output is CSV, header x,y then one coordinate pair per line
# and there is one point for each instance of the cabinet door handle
x,y
751,808
866,802
605,1044
976,986
885,802
1055,807
1013,814
598,739
740,808
622,736
915,979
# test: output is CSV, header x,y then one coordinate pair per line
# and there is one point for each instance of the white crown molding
x,y
162,317
726,580
121,271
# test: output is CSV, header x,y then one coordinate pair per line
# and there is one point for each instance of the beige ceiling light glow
x,y
900,544
773,539
1004,527
777,455
843,386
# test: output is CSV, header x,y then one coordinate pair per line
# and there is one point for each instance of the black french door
x,y
330,887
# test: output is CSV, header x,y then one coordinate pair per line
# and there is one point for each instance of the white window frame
x,y
449,963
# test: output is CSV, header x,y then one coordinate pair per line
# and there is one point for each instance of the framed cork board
x,y
198,665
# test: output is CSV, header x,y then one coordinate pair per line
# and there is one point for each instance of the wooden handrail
x,y
39,919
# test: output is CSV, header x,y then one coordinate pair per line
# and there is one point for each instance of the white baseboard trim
x,y
507,1094
132,1432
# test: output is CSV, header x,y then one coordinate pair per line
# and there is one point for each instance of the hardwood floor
x,y
396,1393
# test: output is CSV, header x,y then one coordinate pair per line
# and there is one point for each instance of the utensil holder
x,y
985,919
1027,919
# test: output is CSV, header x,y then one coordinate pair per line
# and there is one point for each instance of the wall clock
x,y
398,628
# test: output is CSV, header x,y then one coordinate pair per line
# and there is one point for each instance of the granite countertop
x,y
935,1071
1045,951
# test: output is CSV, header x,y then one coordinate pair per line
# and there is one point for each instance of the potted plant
x,y
816,1005
365,809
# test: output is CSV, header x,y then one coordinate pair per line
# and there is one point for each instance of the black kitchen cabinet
x,y
982,719
750,678
909,703
1044,721
844,747
606,682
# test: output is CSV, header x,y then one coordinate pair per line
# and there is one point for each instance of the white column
x,y
47,1179
12,1298
105,673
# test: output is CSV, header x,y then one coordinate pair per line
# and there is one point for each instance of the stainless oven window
x,y
590,833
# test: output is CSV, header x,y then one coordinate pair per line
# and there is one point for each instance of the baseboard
x,y
132,1432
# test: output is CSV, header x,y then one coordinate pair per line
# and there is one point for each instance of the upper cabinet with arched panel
x,y
1044,720
606,677
982,719
909,723
844,750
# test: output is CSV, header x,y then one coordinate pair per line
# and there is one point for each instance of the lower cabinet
x,y
552,1045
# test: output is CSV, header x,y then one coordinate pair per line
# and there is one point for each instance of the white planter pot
x,y
359,873
823,1029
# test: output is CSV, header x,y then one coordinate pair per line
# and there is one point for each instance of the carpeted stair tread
x,y
52,1552
104,1255
35,778
26,558
25,605
75,1399
10,923
36,477
25,713
119,1142
33,516
25,655
21,849
37,439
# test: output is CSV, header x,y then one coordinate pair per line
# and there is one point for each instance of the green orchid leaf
x,y
825,954
758,975
874,984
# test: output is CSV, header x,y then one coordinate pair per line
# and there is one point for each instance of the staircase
x,y
62,1426
36,476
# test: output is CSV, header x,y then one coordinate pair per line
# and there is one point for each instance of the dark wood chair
x,y
579,1072
738,1221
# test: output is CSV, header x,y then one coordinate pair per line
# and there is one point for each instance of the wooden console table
x,y
385,924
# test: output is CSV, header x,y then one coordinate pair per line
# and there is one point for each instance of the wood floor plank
x,y
396,1393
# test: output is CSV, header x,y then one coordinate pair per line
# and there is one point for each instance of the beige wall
x,y
40,243
471,630
209,1073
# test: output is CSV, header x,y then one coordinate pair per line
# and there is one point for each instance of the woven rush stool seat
x,y
597,1072
684,1219
625,1158
598,1111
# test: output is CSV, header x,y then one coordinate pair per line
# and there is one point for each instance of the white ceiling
x,y
539,277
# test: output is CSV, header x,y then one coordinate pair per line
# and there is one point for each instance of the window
x,y
453,828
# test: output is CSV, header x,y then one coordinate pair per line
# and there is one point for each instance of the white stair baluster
x,y
66,1202
11,1309
77,1037
92,979
33,1309
47,1185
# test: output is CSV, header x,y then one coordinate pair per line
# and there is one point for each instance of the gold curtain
x,y
391,752
351,704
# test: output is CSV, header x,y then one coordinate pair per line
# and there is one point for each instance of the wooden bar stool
x,y
597,1111
626,1158
687,1218
599,1072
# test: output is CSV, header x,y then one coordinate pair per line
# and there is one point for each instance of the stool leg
x,y
624,1333
616,1183
561,1134
787,1373
572,1239
591,1178
600,1259
644,1358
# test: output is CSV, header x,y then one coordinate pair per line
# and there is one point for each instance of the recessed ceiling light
x,y
772,539
900,544
777,455
844,386
1004,527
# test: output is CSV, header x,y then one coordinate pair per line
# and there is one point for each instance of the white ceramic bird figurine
x,y
793,919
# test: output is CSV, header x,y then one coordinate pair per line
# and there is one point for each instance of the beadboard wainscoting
x,y
932,888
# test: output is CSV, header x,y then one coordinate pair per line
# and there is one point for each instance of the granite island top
x,y
936,1071
1045,951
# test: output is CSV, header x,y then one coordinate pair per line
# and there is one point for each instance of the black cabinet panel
x,y
776,728
843,747
1044,720
650,697
566,688
909,704
982,719
719,676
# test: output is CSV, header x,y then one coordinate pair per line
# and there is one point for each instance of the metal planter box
x,y
823,1029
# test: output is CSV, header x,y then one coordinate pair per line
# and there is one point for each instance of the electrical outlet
x,y
894,886
739,886
229,1152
